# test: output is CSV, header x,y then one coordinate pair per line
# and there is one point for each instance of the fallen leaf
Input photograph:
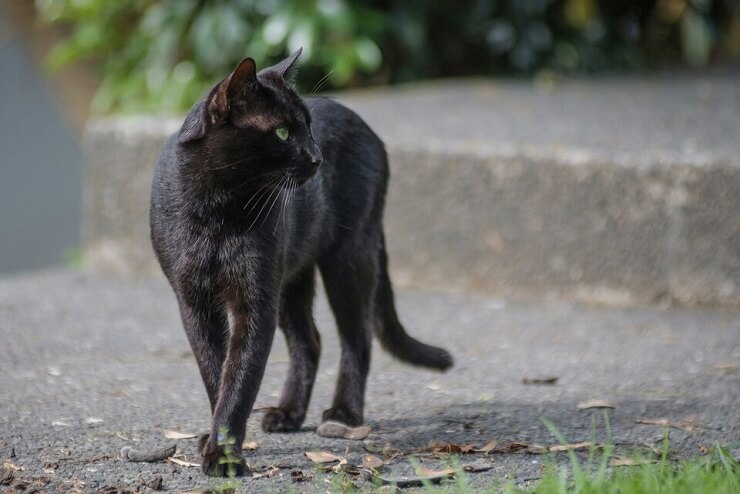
x,y
426,472
337,429
449,448
182,463
131,454
54,371
371,461
389,452
726,367
266,474
627,462
515,447
179,435
687,425
540,380
490,446
155,483
249,445
93,421
416,481
323,457
478,466
573,446
12,467
298,476
7,474
59,423
585,405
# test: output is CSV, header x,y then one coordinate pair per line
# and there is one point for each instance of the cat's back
x,y
355,170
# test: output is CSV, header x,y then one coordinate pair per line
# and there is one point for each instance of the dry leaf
x,y
726,367
298,476
153,455
566,447
323,457
371,461
585,405
490,446
479,465
12,467
249,445
540,380
430,474
514,447
389,452
425,476
182,463
685,425
337,429
627,462
451,448
179,435
266,474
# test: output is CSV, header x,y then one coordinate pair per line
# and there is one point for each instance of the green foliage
x,y
230,459
162,54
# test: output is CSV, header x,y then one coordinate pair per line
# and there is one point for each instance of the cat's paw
x,y
203,442
281,420
211,454
343,415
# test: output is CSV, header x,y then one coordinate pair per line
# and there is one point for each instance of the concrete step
x,y
622,191
91,364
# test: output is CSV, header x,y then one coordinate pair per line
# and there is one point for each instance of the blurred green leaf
x,y
162,55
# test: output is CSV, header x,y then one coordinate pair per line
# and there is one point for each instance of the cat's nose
x,y
315,156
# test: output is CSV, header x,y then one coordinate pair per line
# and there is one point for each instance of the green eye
x,y
282,133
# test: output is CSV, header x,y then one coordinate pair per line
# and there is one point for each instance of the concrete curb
x,y
607,225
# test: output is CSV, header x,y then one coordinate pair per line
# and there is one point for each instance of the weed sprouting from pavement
x,y
229,459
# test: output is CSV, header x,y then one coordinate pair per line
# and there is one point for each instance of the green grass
x,y
714,473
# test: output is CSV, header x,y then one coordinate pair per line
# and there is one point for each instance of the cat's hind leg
x,y
304,347
350,277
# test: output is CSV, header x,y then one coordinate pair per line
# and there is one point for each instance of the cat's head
x,y
256,122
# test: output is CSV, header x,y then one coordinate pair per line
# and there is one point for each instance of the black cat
x,y
257,189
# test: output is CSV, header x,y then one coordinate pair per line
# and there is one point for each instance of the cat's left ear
x,y
215,109
286,68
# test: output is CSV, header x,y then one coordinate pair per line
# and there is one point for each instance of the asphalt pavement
x,y
90,365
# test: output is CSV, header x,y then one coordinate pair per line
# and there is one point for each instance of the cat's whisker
x,y
288,199
277,196
259,213
227,165
283,205
322,82
271,174
260,193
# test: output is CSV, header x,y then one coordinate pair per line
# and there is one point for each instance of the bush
x,y
162,54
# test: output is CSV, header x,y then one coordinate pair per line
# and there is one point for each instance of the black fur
x,y
240,219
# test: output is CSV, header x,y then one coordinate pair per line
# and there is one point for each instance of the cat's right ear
x,y
215,109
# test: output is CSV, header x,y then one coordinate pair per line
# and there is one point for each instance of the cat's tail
x,y
392,335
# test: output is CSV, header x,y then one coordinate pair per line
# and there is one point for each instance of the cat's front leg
x,y
252,322
205,326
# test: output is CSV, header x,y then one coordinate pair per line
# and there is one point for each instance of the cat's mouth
x,y
302,175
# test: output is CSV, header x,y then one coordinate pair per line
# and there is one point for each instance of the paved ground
x,y
90,365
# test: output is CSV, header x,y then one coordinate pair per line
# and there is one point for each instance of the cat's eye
x,y
282,133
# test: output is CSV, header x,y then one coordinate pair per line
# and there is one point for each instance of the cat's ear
x,y
215,108
286,68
